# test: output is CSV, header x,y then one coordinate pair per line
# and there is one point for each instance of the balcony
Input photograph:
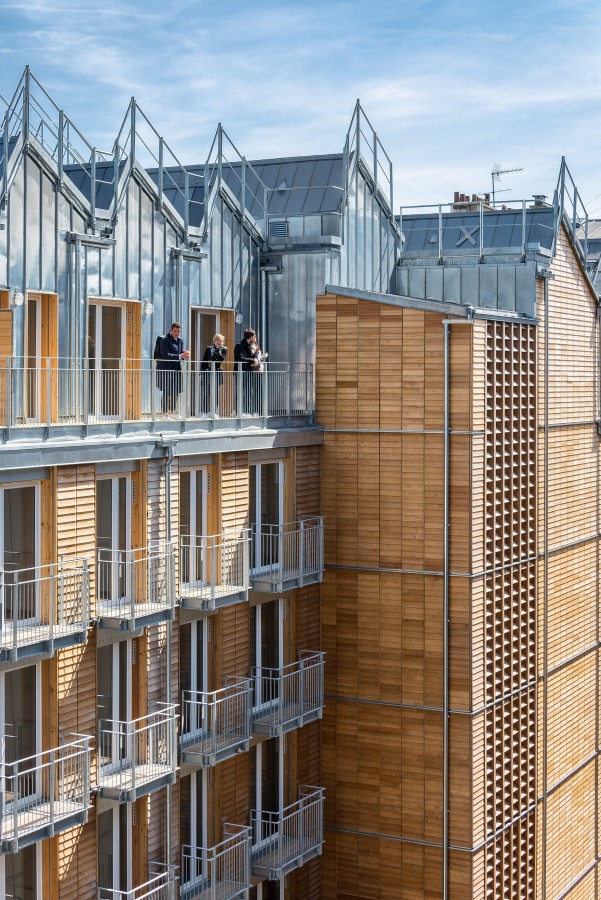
x,y
287,840
214,570
43,609
55,396
289,697
137,757
161,885
135,588
44,794
287,556
218,873
215,725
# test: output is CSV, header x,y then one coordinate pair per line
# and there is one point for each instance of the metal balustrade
x,y
135,588
287,556
214,570
215,725
39,395
283,841
289,697
221,872
161,885
43,608
45,793
139,756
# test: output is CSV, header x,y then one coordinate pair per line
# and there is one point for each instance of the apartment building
x,y
460,603
161,670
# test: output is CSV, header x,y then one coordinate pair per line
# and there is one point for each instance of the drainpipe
x,y
445,619
546,276
263,336
168,449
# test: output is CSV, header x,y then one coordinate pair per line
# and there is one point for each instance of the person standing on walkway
x,y
169,370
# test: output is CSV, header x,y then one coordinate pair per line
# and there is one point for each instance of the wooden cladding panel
x,y
75,502
307,469
382,634
234,491
382,771
77,865
235,789
571,716
362,867
570,840
574,475
573,347
233,631
573,588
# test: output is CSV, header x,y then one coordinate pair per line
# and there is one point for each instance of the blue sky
x,y
451,87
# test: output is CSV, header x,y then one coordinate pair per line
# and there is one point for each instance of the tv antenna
x,y
496,173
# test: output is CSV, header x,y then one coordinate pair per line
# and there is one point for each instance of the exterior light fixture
x,y
147,308
239,318
17,297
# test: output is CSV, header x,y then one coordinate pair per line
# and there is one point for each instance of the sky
x,y
451,88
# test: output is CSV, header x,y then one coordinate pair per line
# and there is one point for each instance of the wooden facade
x,y
522,567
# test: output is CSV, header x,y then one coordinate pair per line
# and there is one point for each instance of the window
x,y
114,703
266,511
106,351
20,552
22,875
115,851
193,525
113,536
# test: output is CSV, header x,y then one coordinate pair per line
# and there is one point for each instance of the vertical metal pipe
x,y
161,171
263,314
524,228
168,528
445,619
93,188
545,591
61,148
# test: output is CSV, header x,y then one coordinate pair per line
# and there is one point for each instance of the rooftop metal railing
x,y
283,841
475,228
161,885
215,725
227,168
44,793
288,697
59,392
133,585
43,607
214,569
362,143
221,872
288,555
571,211
138,755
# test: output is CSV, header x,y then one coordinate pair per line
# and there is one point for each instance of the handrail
x,y
214,722
161,885
284,838
43,602
137,582
223,870
213,566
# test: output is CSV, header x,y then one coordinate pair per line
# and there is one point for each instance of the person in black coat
x,y
214,353
169,369
249,359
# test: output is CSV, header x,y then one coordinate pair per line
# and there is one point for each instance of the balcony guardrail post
x,y
48,381
122,392
264,377
301,548
8,391
51,783
239,376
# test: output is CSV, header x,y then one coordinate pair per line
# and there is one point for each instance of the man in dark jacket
x,y
248,359
169,370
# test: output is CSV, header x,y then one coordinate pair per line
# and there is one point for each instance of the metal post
x,y
186,201
440,234
301,548
116,151
48,380
5,166
375,161
132,131
481,230
524,228
51,783
445,620
161,172
26,99
8,391
93,188
219,155
61,145
243,188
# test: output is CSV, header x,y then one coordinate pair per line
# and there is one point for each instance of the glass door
x,y
204,325
22,874
106,353
20,554
20,735
114,704
193,527
266,513
113,538
33,360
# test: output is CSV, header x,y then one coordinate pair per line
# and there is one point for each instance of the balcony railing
x,y
215,725
161,885
44,793
43,608
105,394
135,588
214,570
283,841
289,697
139,756
218,873
287,556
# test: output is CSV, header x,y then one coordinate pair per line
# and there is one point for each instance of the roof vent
x,y
278,229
